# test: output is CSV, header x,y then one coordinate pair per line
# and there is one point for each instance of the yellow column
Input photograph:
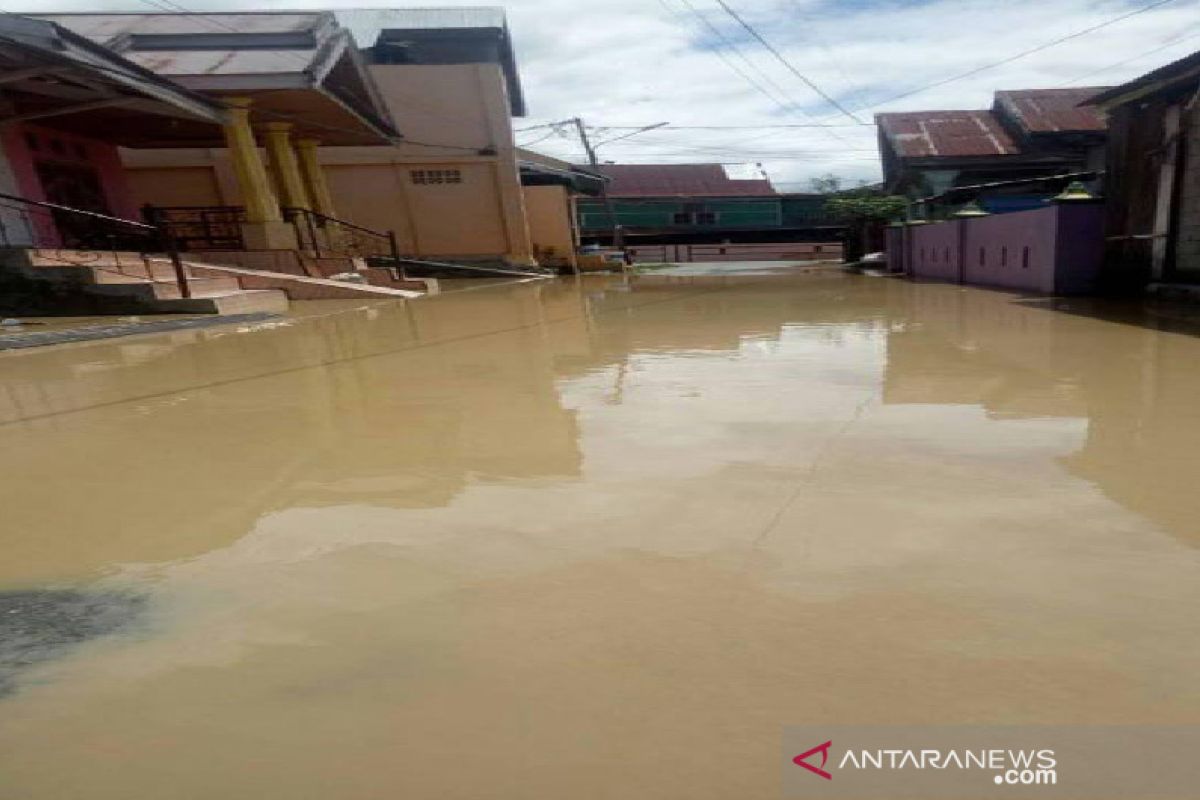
x,y
278,137
257,197
314,177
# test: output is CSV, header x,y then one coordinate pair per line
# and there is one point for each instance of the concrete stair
x,y
301,287
130,283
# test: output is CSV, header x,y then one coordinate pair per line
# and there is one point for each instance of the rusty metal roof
x,y
678,180
1052,110
932,134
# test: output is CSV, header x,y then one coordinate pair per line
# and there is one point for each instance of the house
x,y
1018,151
449,186
296,79
67,106
75,238
552,188
1153,181
660,205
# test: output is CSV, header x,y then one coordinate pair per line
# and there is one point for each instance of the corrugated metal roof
x,y
927,134
1053,110
678,180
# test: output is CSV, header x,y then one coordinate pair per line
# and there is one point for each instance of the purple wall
x,y
1013,251
1052,250
935,250
896,253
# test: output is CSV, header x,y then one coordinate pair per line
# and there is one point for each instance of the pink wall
x,y
934,251
1013,251
100,156
897,256
1052,250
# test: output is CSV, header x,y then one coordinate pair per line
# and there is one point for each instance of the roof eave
x,y
1147,85
116,70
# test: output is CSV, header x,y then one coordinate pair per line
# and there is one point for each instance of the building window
x,y
681,218
1004,256
706,218
433,177
1025,259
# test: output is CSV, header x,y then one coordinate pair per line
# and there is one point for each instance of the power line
x,y
790,67
1022,54
774,94
539,140
856,91
1177,40
788,104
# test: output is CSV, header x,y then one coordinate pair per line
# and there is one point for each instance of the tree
x,y
867,207
865,212
826,184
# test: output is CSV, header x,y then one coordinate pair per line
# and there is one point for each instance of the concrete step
x,y
106,266
199,287
305,288
131,284
246,301
167,291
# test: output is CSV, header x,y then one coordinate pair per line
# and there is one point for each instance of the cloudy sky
x,y
620,64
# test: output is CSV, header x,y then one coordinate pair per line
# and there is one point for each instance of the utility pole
x,y
618,232
610,211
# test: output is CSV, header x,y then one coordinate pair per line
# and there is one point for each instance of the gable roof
x,y
85,87
1052,110
678,180
282,59
932,134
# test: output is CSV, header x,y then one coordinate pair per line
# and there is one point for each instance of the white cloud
x,y
639,62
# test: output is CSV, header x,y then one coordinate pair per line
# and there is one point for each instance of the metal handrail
x,y
315,220
81,212
156,230
210,227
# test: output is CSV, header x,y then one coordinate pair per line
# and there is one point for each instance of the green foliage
x,y
866,206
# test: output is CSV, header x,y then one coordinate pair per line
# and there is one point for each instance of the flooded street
x,y
601,538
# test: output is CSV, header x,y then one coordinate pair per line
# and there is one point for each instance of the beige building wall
x,y
455,120
551,230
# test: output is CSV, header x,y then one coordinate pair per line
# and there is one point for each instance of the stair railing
x,y
37,224
324,235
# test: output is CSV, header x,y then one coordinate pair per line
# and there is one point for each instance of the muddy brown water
x,y
596,539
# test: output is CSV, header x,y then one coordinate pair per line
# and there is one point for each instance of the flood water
x,y
594,539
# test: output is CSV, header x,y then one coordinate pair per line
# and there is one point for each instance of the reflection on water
x,y
612,533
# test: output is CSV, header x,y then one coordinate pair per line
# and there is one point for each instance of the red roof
x,y
678,180
1053,110
924,134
